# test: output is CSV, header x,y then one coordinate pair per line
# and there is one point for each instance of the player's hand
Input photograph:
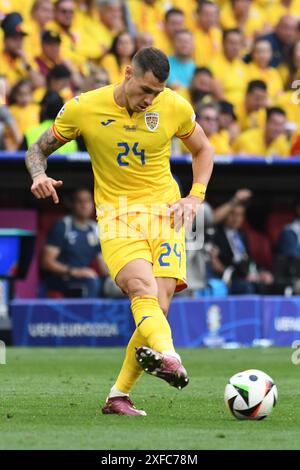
x,y
43,187
83,273
184,212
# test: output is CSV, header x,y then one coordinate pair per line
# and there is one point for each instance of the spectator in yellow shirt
x,y
189,9
259,68
268,141
121,53
72,41
228,68
174,22
147,15
112,22
283,7
208,36
25,112
42,12
207,117
15,64
251,113
51,56
244,15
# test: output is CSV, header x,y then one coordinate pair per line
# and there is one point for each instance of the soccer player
x,y
127,129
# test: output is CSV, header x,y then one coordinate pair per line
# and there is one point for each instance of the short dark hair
x,y
229,31
153,60
51,104
256,85
173,11
57,72
205,70
274,110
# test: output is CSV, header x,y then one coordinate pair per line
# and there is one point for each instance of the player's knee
x,y
140,286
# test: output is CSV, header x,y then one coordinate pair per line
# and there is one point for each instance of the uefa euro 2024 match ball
x,y
251,394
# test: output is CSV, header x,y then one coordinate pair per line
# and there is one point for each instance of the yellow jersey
x,y
269,75
130,155
252,142
207,45
232,75
249,120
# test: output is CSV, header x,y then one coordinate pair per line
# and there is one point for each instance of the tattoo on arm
x,y
36,156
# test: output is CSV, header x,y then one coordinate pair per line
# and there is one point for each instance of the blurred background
x,y
238,63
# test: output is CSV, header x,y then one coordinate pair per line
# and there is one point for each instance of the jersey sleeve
x,y
186,118
66,126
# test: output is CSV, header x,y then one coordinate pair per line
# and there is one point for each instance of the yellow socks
x,y
153,330
151,323
131,370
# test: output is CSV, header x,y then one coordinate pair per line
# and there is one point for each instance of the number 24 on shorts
x,y
166,253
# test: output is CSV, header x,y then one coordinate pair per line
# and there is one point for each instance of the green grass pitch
x,y
51,399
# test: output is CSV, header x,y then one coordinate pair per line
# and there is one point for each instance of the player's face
x,y
140,90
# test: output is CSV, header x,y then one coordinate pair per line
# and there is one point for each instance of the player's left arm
x,y
202,165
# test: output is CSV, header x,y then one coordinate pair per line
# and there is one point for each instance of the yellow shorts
x,y
147,236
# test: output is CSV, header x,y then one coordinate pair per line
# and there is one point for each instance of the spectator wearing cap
x,y
120,55
251,113
267,141
259,68
51,105
207,117
14,62
42,12
174,21
51,56
182,65
147,15
208,36
228,68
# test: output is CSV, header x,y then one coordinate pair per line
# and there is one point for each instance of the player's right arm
x,y
36,162
64,129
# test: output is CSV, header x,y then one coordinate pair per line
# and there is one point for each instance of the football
x,y
251,394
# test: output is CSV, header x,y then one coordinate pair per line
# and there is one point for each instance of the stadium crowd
x,y
236,61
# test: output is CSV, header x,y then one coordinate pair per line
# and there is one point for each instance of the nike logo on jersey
x,y
106,123
144,318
